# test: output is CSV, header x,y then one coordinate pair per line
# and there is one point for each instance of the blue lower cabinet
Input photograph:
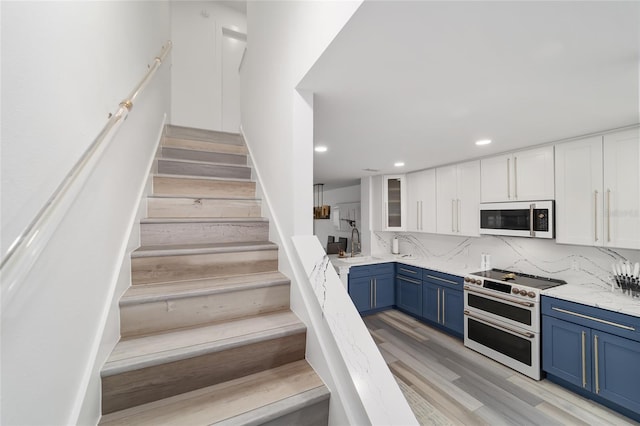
x,y
409,294
443,301
579,354
371,287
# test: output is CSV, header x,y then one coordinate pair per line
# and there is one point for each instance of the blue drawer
x,y
596,318
441,279
409,271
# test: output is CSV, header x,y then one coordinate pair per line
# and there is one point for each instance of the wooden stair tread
x,y
186,249
209,146
186,197
229,400
146,293
145,351
204,220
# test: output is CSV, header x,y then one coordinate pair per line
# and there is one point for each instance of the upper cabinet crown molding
x,y
520,176
598,191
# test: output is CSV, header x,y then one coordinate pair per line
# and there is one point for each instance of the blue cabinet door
x,y
617,376
431,302
409,293
452,310
385,291
566,351
360,292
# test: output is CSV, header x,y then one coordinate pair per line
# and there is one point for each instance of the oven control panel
x,y
501,287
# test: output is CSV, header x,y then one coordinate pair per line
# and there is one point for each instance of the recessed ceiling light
x,y
483,142
320,148
398,164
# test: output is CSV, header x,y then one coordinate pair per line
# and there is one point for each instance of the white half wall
x,y
65,67
205,91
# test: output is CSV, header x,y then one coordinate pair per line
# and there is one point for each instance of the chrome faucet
x,y
355,231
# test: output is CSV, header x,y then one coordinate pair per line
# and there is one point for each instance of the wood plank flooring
x,y
448,384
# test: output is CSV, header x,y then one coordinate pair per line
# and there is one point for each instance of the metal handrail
x,y
31,240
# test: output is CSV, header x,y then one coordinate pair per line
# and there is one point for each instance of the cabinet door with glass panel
x,y
394,197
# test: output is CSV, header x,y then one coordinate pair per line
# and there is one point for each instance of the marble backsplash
x,y
531,256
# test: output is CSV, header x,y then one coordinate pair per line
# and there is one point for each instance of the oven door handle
x,y
475,290
500,326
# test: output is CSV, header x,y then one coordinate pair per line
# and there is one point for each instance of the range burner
x,y
517,278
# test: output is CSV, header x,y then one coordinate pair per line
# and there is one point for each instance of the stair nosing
x,y
140,299
266,413
112,368
186,197
190,249
208,178
166,220
206,163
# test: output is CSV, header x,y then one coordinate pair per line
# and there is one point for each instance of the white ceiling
x,y
419,82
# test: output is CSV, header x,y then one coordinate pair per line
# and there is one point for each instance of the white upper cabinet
x,y
579,192
458,198
622,189
520,176
421,201
598,191
394,196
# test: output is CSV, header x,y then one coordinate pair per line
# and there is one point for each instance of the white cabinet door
x,y
533,174
468,199
376,207
394,197
579,197
495,179
622,189
446,196
421,201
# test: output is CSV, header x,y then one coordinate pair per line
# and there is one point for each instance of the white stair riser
x,y
172,167
163,185
137,319
153,234
211,157
202,207
136,387
159,269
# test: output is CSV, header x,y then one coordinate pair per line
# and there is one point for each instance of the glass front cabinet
x,y
394,196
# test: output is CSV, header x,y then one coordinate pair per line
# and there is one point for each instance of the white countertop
x,y
587,293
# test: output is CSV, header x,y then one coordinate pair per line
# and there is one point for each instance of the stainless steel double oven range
x,y
502,317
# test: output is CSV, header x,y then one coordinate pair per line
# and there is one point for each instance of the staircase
x,y
207,334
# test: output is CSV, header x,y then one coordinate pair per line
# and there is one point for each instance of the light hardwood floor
x,y
448,384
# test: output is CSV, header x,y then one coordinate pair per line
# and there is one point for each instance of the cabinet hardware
x,y
421,218
500,326
408,270
515,177
409,280
508,180
371,293
453,209
438,313
608,215
564,311
442,279
443,322
458,208
474,290
595,214
595,348
584,360
375,292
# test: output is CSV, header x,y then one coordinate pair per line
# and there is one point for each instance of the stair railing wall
x,y
61,277
26,248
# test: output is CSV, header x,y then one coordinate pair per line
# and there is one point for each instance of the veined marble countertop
x,y
592,294
576,290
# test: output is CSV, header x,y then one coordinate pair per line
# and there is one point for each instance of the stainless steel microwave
x,y
533,219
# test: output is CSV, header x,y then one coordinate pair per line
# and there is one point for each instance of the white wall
x,y
199,96
65,66
322,228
